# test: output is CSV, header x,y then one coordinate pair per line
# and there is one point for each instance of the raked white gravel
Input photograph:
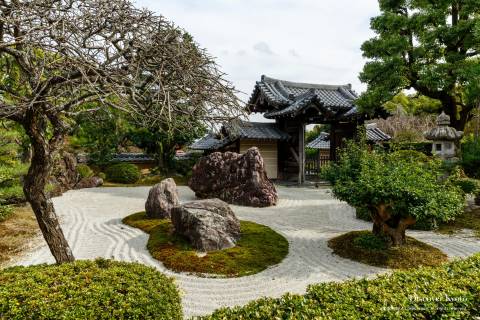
x,y
307,217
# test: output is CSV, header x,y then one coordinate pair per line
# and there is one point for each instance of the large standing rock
x,y
208,224
161,199
91,182
234,178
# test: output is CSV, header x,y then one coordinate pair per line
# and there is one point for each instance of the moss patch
x,y
258,248
16,232
468,220
363,246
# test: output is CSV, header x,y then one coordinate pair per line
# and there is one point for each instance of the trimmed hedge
x,y
100,289
123,173
449,291
423,147
468,185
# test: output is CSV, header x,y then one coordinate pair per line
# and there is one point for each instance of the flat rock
x,y
235,178
161,199
207,224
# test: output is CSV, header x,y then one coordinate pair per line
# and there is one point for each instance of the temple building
x,y
292,106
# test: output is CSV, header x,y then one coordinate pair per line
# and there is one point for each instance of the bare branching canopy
x,y
58,56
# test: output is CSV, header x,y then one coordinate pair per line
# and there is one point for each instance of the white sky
x,y
314,41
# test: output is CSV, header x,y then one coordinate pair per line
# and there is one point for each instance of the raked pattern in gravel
x,y
307,217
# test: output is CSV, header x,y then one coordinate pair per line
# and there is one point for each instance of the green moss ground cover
x,y
365,247
258,248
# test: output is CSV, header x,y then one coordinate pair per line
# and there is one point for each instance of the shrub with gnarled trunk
x,y
397,191
59,58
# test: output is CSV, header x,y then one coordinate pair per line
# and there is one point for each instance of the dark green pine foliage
x,y
432,47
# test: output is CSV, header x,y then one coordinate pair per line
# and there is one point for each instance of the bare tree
x,y
62,57
406,127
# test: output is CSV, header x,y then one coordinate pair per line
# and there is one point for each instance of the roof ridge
x,y
305,85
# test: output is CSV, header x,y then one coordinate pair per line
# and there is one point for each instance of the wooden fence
x,y
313,164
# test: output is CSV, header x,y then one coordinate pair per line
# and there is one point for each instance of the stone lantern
x,y
444,138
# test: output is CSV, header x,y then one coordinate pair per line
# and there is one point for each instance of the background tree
x,y
109,131
161,142
430,46
12,148
312,134
410,116
101,134
413,104
57,56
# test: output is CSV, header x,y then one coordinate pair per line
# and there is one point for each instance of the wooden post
x,y
333,144
301,153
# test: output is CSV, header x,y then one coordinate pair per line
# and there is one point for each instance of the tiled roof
x,y
209,142
132,157
256,130
285,98
373,135
240,130
376,135
321,142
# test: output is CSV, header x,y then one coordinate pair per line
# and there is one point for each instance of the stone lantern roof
x,y
443,132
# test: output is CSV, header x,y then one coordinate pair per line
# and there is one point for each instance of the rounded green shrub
x,y
102,175
448,291
123,173
363,213
471,157
467,185
100,289
398,190
410,155
84,171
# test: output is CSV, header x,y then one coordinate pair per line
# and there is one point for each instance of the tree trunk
x,y
35,183
464,116
391,228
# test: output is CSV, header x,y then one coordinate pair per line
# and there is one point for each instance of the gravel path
x,y
307,217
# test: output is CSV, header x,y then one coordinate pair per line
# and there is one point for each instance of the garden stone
x,y
91,182
161,199
208,224
234,178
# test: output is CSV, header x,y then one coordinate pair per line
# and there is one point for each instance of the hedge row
x,y
100,289
123,173
450,291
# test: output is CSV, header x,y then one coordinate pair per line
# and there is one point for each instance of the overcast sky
x,y
314,41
